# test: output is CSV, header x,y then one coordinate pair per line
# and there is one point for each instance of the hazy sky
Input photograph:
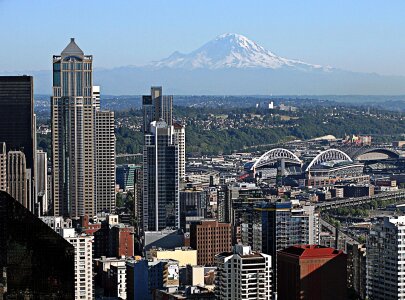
x,y
357,35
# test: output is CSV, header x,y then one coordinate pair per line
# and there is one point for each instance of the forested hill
x,y
223,130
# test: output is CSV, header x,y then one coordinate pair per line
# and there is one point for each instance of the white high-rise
x,y
385,260
73,133
180,139
83,245
243,274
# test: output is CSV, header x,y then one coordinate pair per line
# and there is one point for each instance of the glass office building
x,y
35,261
160,179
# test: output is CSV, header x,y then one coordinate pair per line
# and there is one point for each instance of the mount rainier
x,y
231,51
232,64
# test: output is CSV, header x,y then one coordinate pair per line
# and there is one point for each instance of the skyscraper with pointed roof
x,y
73,133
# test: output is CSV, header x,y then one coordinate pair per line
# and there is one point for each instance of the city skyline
x,y
210,194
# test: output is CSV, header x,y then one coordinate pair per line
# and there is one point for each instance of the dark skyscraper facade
x,y
17,127
35,261
160,179
18,132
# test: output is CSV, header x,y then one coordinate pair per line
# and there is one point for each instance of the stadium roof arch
x,y
275,155
329,155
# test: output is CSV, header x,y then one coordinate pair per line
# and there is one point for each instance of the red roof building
x,y
311,272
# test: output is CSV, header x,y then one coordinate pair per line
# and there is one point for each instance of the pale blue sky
x,y
357,35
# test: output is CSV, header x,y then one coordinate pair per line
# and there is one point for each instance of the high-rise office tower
x,y
156,107
194,204
3,167
273,226
385,261
243,274
224,204
17,179
17,123
160,178
180,139
17,128
42,181
105,161
73,133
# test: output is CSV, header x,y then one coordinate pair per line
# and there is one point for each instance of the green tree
x,y
119,200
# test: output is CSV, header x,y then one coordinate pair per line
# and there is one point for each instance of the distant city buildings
x,y
183,227
156,107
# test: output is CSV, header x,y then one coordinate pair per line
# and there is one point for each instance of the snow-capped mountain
x,y
231,51
234,65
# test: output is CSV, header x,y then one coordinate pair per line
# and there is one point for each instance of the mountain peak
x,y
230,50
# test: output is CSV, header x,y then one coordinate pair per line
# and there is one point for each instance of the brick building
x,y
121,241
113,239
209,238
311,272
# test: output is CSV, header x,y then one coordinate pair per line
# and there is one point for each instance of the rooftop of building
x,y
177,125
72,49
310,251
173,249
243,251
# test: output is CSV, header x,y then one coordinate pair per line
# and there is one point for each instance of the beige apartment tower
x,y
3,167
73,111
105,161
17,179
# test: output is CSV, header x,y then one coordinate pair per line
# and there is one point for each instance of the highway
x,y
397,195
332,229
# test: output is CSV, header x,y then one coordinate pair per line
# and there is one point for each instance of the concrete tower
x,y
105,161
73,133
